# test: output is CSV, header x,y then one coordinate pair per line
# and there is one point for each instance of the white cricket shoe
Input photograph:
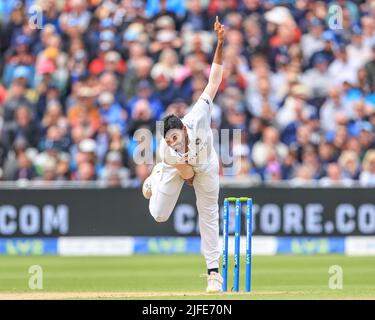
x,y
146,188
214,283
147,184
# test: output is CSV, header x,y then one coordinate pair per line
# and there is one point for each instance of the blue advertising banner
x,y
303,245
27,246
166,245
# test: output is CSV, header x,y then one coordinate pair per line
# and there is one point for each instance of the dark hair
x,y
172,122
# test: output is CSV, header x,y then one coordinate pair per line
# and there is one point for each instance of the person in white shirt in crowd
x,y
368,27
334,177
367,177
333,106
342,69
317,78
312,41
359,52
295,106
261,97
304,177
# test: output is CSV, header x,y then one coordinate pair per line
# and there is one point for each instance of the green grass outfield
x,y
178,277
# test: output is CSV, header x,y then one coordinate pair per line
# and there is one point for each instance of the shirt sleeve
x,y
200,115
203,104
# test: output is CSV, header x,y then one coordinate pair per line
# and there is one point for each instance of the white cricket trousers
x,y
166,188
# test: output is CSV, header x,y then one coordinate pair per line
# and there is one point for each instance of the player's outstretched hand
x,y
219,29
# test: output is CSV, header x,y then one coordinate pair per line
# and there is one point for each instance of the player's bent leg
x,y
166,188
154,176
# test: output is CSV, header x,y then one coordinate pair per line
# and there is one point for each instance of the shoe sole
x,y
147,193
214,291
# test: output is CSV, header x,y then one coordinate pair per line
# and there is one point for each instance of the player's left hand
x,y
219,29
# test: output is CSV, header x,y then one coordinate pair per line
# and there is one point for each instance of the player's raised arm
x,y
216,73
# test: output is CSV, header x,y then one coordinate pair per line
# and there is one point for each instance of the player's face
x,y
175,138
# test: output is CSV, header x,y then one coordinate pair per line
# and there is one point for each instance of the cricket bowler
x,y
187,155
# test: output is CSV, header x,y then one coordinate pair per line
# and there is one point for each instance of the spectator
x,y
312,41
366,136
117,142
263,103
317,78
342,69
62,168
84,113
141,129
142,171
54,116
77,63
296,107
299,139
110,111
107,59
113,173
327,153
102,140
350,165
170,8
141,71
272,169
108,82
168,64
270,143
367,176
334,105
233,74
16,96
304,177
254,40
145,91
86,172
24,170
53,53
54,139
368,28
75,22
310,157
165,90
370,70
20,57
22,127
329,45
114,63
135,40
165,36
358,52
177,107
47,166
234,109
334,177
196,17
289,165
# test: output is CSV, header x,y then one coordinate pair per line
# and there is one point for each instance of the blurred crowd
x,y
80,78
